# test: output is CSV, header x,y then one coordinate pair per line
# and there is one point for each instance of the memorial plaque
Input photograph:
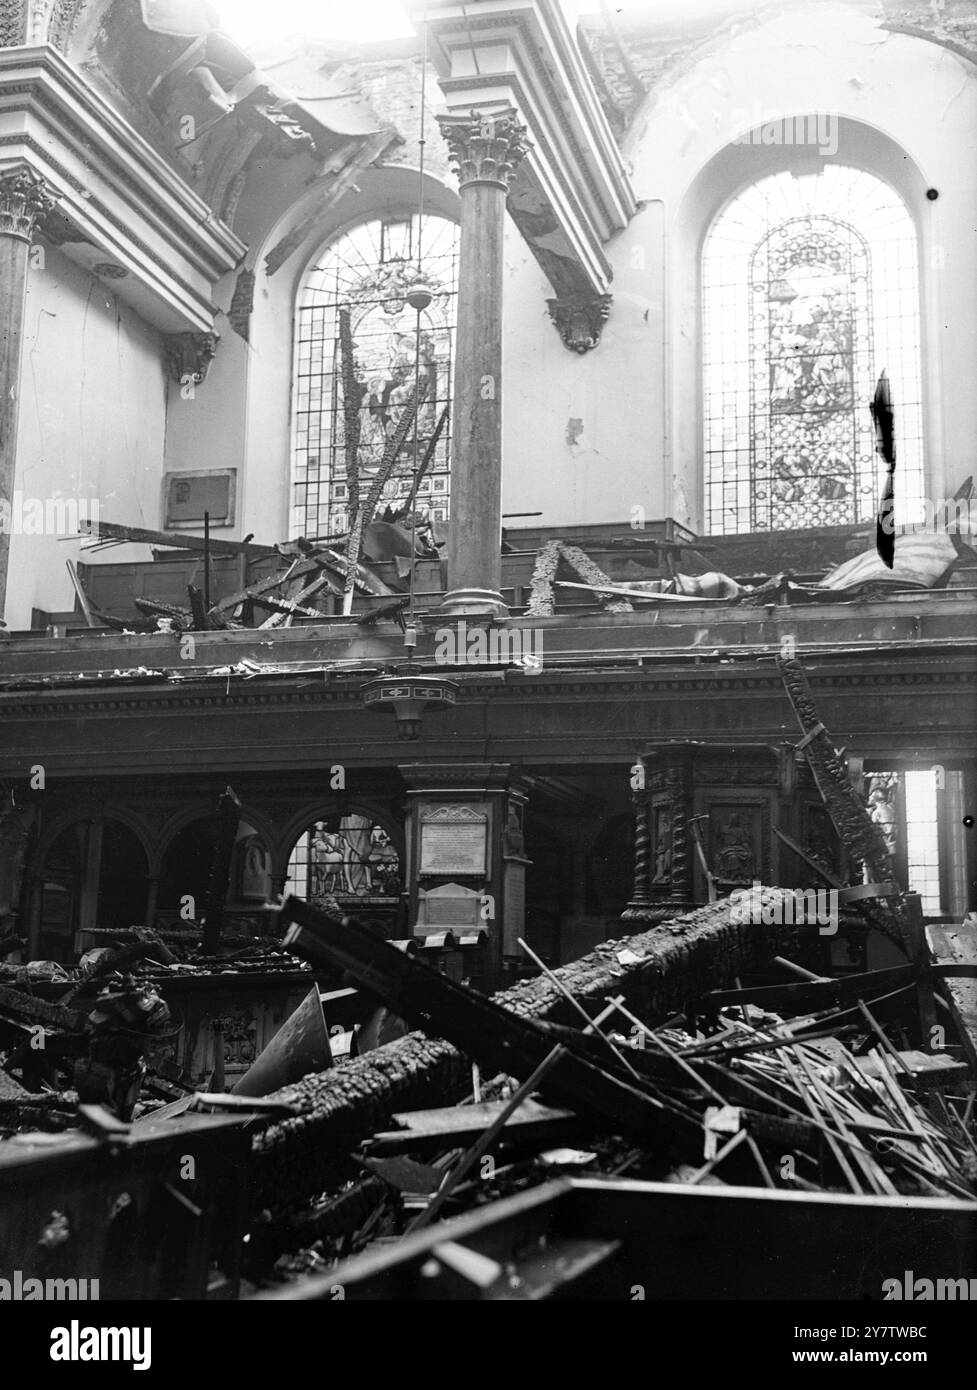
x,y
454,840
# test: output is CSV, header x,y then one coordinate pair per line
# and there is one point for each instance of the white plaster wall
x,y
91,424
582,432
586,437
910,112
910,109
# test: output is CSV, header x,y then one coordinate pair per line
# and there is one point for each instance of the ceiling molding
x,y
572,192
127,205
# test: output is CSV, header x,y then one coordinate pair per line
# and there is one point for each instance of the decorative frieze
x,y
63,19
485,146
580,319
13,20
24,200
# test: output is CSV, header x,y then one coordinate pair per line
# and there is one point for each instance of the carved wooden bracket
x,y
190,355
580,320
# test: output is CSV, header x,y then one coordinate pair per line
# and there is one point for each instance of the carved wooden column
x,y
486,148
662,867
24,198
639,908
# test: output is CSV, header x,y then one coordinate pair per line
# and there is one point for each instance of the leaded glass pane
x,y
368,270
810,289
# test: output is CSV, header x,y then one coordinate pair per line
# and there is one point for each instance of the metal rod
x,y
421,142
874,1175
758,1156
886,1043
833,1144
486,1139
660,1042
206,562
799,970
727,1149
580,1010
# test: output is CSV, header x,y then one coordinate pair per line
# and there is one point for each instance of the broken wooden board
x,y
418,1179
816,994
729,1242
457,1126
483,1029
667,966
27,1011
926,1071
178,540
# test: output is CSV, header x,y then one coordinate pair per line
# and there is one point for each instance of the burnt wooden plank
x,y
678,961
458,1126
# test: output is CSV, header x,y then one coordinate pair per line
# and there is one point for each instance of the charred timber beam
x,y
678,962
178,540
484,1030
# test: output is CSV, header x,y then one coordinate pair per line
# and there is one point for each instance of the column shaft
x,y
23,198
486,148
475,539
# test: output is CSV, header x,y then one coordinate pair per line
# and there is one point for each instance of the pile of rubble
x,y
829,1096
100,1032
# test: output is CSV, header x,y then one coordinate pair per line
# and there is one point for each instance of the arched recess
x,y
53,827
345,849
186,859
770,65
728,173
810,288
367,271
92,873
610,866
381,191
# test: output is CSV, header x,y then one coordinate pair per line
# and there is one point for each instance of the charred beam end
x,y
679,961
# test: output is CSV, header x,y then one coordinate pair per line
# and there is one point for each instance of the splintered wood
x,y
662,970
723,1091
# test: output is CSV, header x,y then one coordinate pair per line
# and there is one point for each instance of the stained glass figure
x,y
344,856
368,270
809,290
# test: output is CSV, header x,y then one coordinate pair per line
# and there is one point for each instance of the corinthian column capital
x,y
485,146
24,199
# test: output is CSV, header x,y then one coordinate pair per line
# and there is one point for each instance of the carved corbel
x,y
188,355
580,319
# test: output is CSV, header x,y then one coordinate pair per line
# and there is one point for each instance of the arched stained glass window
x,y
810,288
367,270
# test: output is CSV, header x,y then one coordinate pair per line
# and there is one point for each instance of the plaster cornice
x,y
127,205
575,176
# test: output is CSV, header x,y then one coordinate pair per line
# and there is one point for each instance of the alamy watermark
x,y
77,1343
797,907
957,514
909,1289
19,1289
48,516
462,645
761,126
